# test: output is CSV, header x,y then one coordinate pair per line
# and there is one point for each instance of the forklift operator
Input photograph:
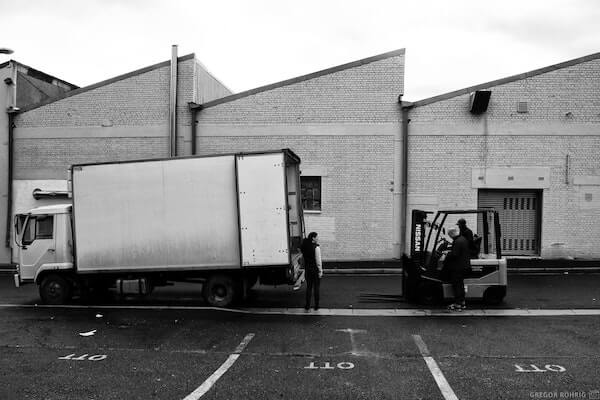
x,y
455,267
474,242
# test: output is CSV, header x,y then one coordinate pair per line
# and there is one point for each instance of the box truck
x,y
224,221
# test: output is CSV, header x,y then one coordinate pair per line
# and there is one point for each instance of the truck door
x,y
262,207
38,245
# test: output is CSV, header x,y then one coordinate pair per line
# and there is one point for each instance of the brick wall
x,y
313,118
126,118
355,220
446,142
51,158
364,94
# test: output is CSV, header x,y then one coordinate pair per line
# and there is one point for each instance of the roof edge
x,y
105,82
298,79
508,79
6,63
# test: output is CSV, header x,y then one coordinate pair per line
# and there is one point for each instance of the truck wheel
x,y
219,290
55,289
494,295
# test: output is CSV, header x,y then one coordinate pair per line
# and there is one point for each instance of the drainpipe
x,y
10,179
404,177
397,194
11,111
173,104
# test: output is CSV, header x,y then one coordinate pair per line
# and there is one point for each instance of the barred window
x,y
311,193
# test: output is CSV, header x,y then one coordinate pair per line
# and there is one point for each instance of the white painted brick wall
x,y
441,165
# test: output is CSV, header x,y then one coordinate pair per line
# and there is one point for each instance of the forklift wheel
x,y
429,293
494,295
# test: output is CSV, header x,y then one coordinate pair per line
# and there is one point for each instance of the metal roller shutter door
x,y
519,213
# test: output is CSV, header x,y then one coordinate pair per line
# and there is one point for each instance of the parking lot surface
x,y
169,346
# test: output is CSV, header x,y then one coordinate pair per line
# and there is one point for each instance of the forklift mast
x,y
420,235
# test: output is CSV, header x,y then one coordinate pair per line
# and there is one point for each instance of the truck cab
x,y
44,239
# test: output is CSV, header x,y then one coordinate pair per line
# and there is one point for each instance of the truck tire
x,y
55,289
219,290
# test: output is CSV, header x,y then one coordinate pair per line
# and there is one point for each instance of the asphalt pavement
x,y
205,354
169,345
533,291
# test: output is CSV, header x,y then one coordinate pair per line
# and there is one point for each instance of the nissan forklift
x,y
423,272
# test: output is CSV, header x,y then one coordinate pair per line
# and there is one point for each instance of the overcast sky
x,y
246,44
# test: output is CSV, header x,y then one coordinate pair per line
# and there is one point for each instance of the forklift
x,y
423,271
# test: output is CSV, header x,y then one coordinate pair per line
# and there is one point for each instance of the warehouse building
x,y
20,86
528,145
345,124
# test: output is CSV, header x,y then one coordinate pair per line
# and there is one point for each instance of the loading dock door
x,y
519,212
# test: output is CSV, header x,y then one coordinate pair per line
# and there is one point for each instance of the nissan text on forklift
x,y
423,278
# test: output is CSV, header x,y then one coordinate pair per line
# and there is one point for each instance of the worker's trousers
x,y
313,283
458,285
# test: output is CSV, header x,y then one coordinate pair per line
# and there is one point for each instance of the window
x,y
44,227
311,193
39,227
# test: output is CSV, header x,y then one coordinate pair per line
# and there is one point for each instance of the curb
x,y
340,312
511,271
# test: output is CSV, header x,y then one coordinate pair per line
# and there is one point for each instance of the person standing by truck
x,y
313,268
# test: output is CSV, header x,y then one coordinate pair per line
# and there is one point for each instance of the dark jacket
x,y
308,253
466,232
473,246
458,258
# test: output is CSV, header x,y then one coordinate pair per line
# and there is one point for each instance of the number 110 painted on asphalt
x,y
327,365
96,357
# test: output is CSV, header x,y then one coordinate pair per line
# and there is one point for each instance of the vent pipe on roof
x,y
173,104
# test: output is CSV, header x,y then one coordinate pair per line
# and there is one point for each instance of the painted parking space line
x,y
439,377
208,383
337,312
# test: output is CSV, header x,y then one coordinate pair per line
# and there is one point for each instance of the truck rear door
x,y
262,197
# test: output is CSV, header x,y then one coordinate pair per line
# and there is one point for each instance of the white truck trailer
x,y
223,220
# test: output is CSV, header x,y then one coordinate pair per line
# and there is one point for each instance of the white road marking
x,y
352,332
208,383
340,312
439,377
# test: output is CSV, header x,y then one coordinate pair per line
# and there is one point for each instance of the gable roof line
x,y
104,83
508,79
6,63
298,79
